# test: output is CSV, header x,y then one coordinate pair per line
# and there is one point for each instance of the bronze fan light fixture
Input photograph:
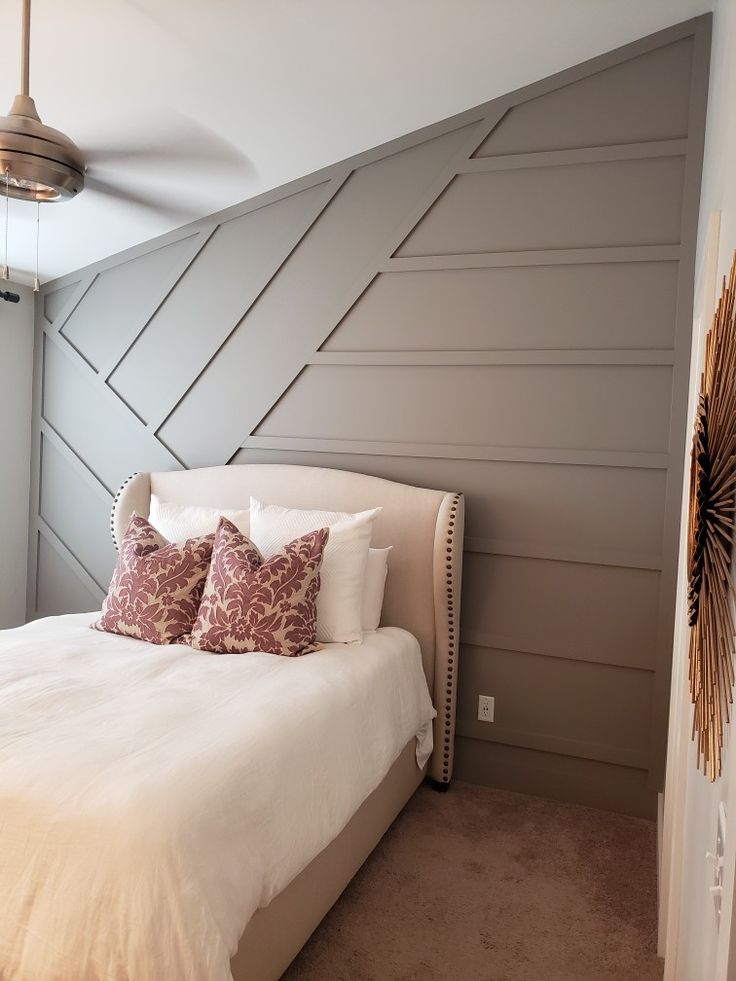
x,y
710,536
37,163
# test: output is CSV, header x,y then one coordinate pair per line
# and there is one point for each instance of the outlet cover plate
x,y
486,708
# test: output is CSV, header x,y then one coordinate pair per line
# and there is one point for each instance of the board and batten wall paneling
x,y
499,304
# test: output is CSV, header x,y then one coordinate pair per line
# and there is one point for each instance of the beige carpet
x,y
484,885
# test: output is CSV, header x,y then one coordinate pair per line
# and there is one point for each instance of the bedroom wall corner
x,y
16,373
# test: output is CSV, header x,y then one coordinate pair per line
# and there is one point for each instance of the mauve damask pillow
x,y
156,587
256,604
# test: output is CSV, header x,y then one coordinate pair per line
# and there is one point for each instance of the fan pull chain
x,y
4,270
36,284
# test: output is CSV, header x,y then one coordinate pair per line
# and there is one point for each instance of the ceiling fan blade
x,y
181,140
150,201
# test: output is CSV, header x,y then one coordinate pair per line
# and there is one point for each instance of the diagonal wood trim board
x,y
500,303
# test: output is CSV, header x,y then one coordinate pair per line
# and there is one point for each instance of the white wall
x,y
696,949
16,367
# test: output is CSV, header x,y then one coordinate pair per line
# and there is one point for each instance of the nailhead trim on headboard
x,y
114,507
452,634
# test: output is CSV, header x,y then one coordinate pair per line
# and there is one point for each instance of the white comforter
x,y
152,798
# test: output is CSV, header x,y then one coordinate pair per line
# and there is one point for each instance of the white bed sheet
x,y
152,798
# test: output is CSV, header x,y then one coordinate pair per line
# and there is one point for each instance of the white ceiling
x,y
269,91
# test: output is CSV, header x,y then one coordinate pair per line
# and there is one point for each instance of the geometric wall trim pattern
x,y
499,304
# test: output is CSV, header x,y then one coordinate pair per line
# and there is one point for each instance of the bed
x,y
232,883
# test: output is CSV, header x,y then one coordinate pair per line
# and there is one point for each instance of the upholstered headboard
x,y
425,528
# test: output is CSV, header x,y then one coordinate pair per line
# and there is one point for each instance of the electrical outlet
x,y
486,708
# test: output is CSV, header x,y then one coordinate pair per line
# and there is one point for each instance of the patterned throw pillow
x,y
156,587
256,604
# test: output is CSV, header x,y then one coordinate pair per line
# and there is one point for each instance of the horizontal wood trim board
x,y
556,553
534,257
446,451
544,358
522,645
493,733
559,158
65,553
479,131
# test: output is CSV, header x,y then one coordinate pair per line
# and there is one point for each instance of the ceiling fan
x,y
41,164
37,163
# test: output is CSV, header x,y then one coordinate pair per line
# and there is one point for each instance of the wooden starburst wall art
x,y
710,540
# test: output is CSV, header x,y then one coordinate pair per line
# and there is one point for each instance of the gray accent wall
x,y
16,371
499,304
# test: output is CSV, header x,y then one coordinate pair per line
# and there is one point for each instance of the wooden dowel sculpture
x,y
710,535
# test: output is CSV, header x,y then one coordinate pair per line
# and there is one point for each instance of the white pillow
x,y
340,599
374,586
178,522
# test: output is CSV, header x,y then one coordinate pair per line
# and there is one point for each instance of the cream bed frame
x,y
425,528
